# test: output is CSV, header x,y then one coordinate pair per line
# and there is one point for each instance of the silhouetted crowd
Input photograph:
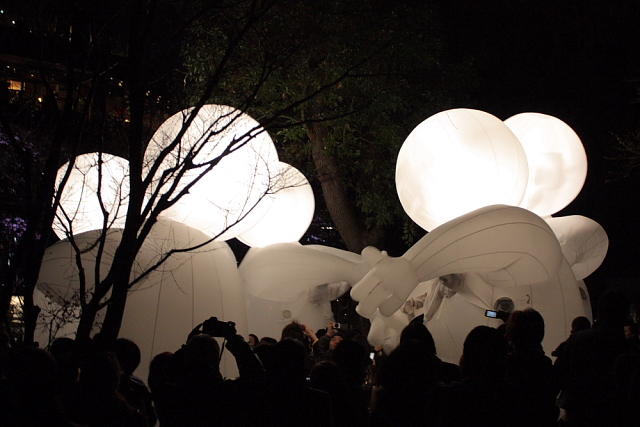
x,y
332,377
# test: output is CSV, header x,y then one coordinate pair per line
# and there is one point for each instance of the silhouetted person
x,y
29,393
626,374
306,336
445,373
326,376
531,379
253,340
158,376
97,400
578,324
480,399
268,340
407,380
190,390
586,366
133,389
65,351
326,343
291,402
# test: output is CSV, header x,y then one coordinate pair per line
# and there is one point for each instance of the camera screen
x,y
490,313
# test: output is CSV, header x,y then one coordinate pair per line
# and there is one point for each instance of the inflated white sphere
x,y
457,161
161,311
227,195
290,214
59,277
557,161
79,200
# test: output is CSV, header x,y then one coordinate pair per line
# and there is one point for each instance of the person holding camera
x,y
192,390
324,346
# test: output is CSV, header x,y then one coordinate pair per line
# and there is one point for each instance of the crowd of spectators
x,y
332,377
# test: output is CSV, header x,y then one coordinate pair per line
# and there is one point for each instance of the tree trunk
x,y
118,280
342,209
87,319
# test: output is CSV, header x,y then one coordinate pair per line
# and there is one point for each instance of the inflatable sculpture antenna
x,y
484,189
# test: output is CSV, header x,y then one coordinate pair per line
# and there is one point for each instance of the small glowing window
x,y
15,85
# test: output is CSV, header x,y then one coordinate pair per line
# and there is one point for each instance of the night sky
x,y
577,61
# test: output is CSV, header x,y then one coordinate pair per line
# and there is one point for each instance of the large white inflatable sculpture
x,y
484,189
556,166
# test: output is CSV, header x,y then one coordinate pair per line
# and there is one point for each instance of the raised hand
x,y
387,285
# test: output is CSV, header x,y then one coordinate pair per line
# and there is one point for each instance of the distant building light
x,y
127,120
39,99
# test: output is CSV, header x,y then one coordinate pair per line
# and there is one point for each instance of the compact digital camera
x,y
216,328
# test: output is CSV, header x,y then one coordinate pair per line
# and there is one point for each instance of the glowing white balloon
x,y
186,290
79,201
290,214
457,161
227,195
557,161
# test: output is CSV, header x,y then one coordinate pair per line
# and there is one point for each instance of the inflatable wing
x,y
288,281
283,271
583,241
506,245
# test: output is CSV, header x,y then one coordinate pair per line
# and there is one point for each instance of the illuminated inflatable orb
x,y
161,311
290,214
457,161
227,195
557,161
80,209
